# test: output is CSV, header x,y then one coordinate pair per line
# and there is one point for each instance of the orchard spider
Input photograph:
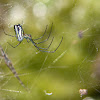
x,y
20,35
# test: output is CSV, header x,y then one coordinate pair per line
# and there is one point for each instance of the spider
x,y
20,35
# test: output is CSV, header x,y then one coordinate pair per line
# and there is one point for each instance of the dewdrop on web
x,y
47,93
82,92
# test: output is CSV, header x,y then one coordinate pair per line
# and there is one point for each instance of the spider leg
x,y
28,40
57,46
43,34
7,34
13,46
47,47
48,51
48,36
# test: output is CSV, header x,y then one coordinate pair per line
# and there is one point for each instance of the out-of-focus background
x,y
51,76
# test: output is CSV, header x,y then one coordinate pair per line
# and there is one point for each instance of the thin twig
x,y
11,67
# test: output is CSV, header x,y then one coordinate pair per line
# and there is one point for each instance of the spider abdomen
x,y
19,32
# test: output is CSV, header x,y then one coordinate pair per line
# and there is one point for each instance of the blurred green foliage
x,y
72,67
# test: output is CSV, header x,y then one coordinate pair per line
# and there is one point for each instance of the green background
x,y
74,66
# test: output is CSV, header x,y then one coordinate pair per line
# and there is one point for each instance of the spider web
x,y
59,75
